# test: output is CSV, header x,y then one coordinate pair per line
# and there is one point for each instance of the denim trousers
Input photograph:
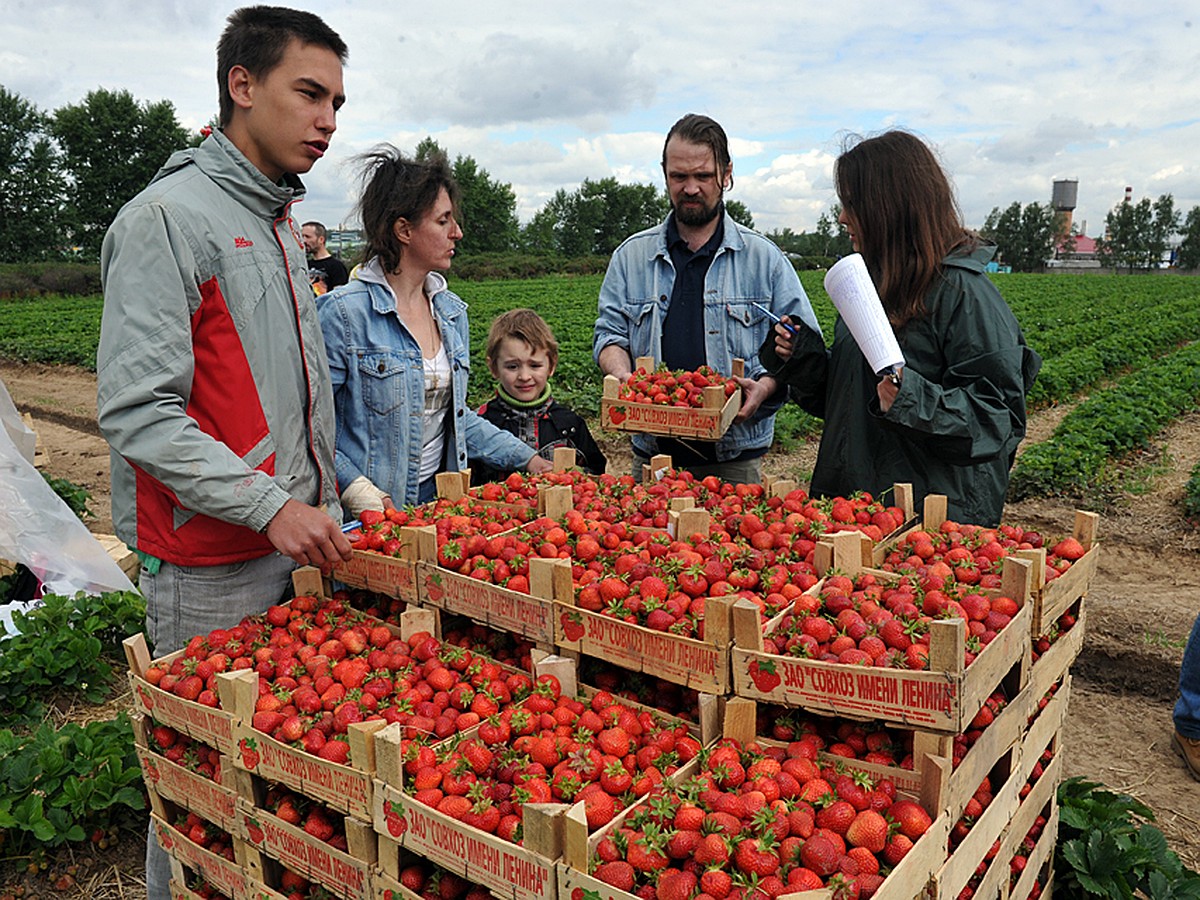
x,y
1187,707
183,601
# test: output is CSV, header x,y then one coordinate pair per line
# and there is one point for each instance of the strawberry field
x,y
260,774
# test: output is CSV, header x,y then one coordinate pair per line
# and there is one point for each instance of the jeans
x,y
746,471
1187,707
184,601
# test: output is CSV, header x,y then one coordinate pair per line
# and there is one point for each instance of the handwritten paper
x,y
853,293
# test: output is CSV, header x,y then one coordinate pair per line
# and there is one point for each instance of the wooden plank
x,y
215,802
229,878
348,876
489,604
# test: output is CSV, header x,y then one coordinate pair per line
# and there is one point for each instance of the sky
x,y
1012,95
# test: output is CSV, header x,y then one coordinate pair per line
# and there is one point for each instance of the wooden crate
x,y
1053,598
229,878
529,615
908,880
707,423
395,577
1055,662
215,802
510,871
943,698
213,726
348,874
1008,818
127,561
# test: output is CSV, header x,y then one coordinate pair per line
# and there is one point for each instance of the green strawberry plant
x,y
60,784
1191,497
1107,849
65,644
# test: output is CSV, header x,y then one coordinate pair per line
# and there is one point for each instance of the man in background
x,y
325,269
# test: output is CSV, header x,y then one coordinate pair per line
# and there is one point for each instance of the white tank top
x,y
437,402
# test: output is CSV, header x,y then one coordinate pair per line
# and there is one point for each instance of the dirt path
x,y
1144,599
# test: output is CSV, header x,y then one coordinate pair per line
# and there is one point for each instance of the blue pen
x,y
774,318
351,526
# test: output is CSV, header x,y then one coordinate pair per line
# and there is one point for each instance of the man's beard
x,y
697,216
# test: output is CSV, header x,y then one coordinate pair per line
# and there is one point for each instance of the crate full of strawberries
x,y
696,404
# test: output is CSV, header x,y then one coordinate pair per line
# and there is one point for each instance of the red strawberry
x,y
619,874
763,674
617,415
911,817
870,830
572,626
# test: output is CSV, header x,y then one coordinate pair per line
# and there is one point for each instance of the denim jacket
x,y
379,388
746,268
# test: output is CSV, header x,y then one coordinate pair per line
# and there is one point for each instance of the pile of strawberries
x,y
549,749
673,387
202,887
870,622
195,756
974,555
316,819
200,831
766,819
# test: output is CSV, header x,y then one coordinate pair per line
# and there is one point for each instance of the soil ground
x,y
1143,601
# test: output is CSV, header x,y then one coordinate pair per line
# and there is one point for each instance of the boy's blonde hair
x,y
524,325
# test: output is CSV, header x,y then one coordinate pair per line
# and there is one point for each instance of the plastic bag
x,y
38,529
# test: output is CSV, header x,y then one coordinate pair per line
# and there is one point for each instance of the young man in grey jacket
x,y
213,387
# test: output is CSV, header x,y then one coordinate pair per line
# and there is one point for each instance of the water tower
x,y
1062,200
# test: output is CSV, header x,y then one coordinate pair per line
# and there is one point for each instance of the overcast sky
x,y
1012,94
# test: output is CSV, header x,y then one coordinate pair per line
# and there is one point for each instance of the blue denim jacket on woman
x,y
379,388
746,269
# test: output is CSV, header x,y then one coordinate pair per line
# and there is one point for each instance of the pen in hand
x,y
774,318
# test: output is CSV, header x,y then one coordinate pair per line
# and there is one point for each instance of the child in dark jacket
x,y
521,355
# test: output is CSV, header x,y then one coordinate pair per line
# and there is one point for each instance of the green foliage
x,y
76,496
39,278
65,644
495,266
1025,236
1189,247
1137,234
112,146
819,249
60,783
594,218
1109,423
31,182
1191,497
487,208
739,212
55,329
1110,851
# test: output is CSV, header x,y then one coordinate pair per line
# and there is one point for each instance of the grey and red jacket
x,y
213,386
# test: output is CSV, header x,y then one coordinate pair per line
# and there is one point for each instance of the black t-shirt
x,y
334,271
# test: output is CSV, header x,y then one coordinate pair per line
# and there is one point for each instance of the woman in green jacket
x,y
949,422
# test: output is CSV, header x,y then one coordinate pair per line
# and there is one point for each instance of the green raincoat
x,y
960,412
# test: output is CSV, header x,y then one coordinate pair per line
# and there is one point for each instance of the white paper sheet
x,y
853,293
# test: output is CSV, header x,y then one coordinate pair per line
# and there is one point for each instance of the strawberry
x,y
618,873
913,820
755,856
869,830
820,854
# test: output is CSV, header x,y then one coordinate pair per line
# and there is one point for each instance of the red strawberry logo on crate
x,y
255,830
152,773
616,415
764,676
249,748
572,625
433,587
581,894
147,700
396,823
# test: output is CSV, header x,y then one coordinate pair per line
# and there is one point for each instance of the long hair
x,y
256,38
397,187
904,213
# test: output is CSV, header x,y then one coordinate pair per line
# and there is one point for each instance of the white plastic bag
x,y
38,529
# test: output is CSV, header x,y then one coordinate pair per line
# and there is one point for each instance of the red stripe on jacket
x,y
224,402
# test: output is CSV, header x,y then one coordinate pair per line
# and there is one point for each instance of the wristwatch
x,y
893,375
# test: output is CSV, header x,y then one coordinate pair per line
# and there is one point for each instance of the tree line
x,y
65,174
1137,236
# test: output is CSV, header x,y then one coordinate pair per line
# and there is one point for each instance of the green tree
x,y
1025,236
593,219
32,186
1136,235
112,146
739,212
1189,248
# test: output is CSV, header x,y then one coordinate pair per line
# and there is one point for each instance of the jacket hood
x,y
975,261
225,164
